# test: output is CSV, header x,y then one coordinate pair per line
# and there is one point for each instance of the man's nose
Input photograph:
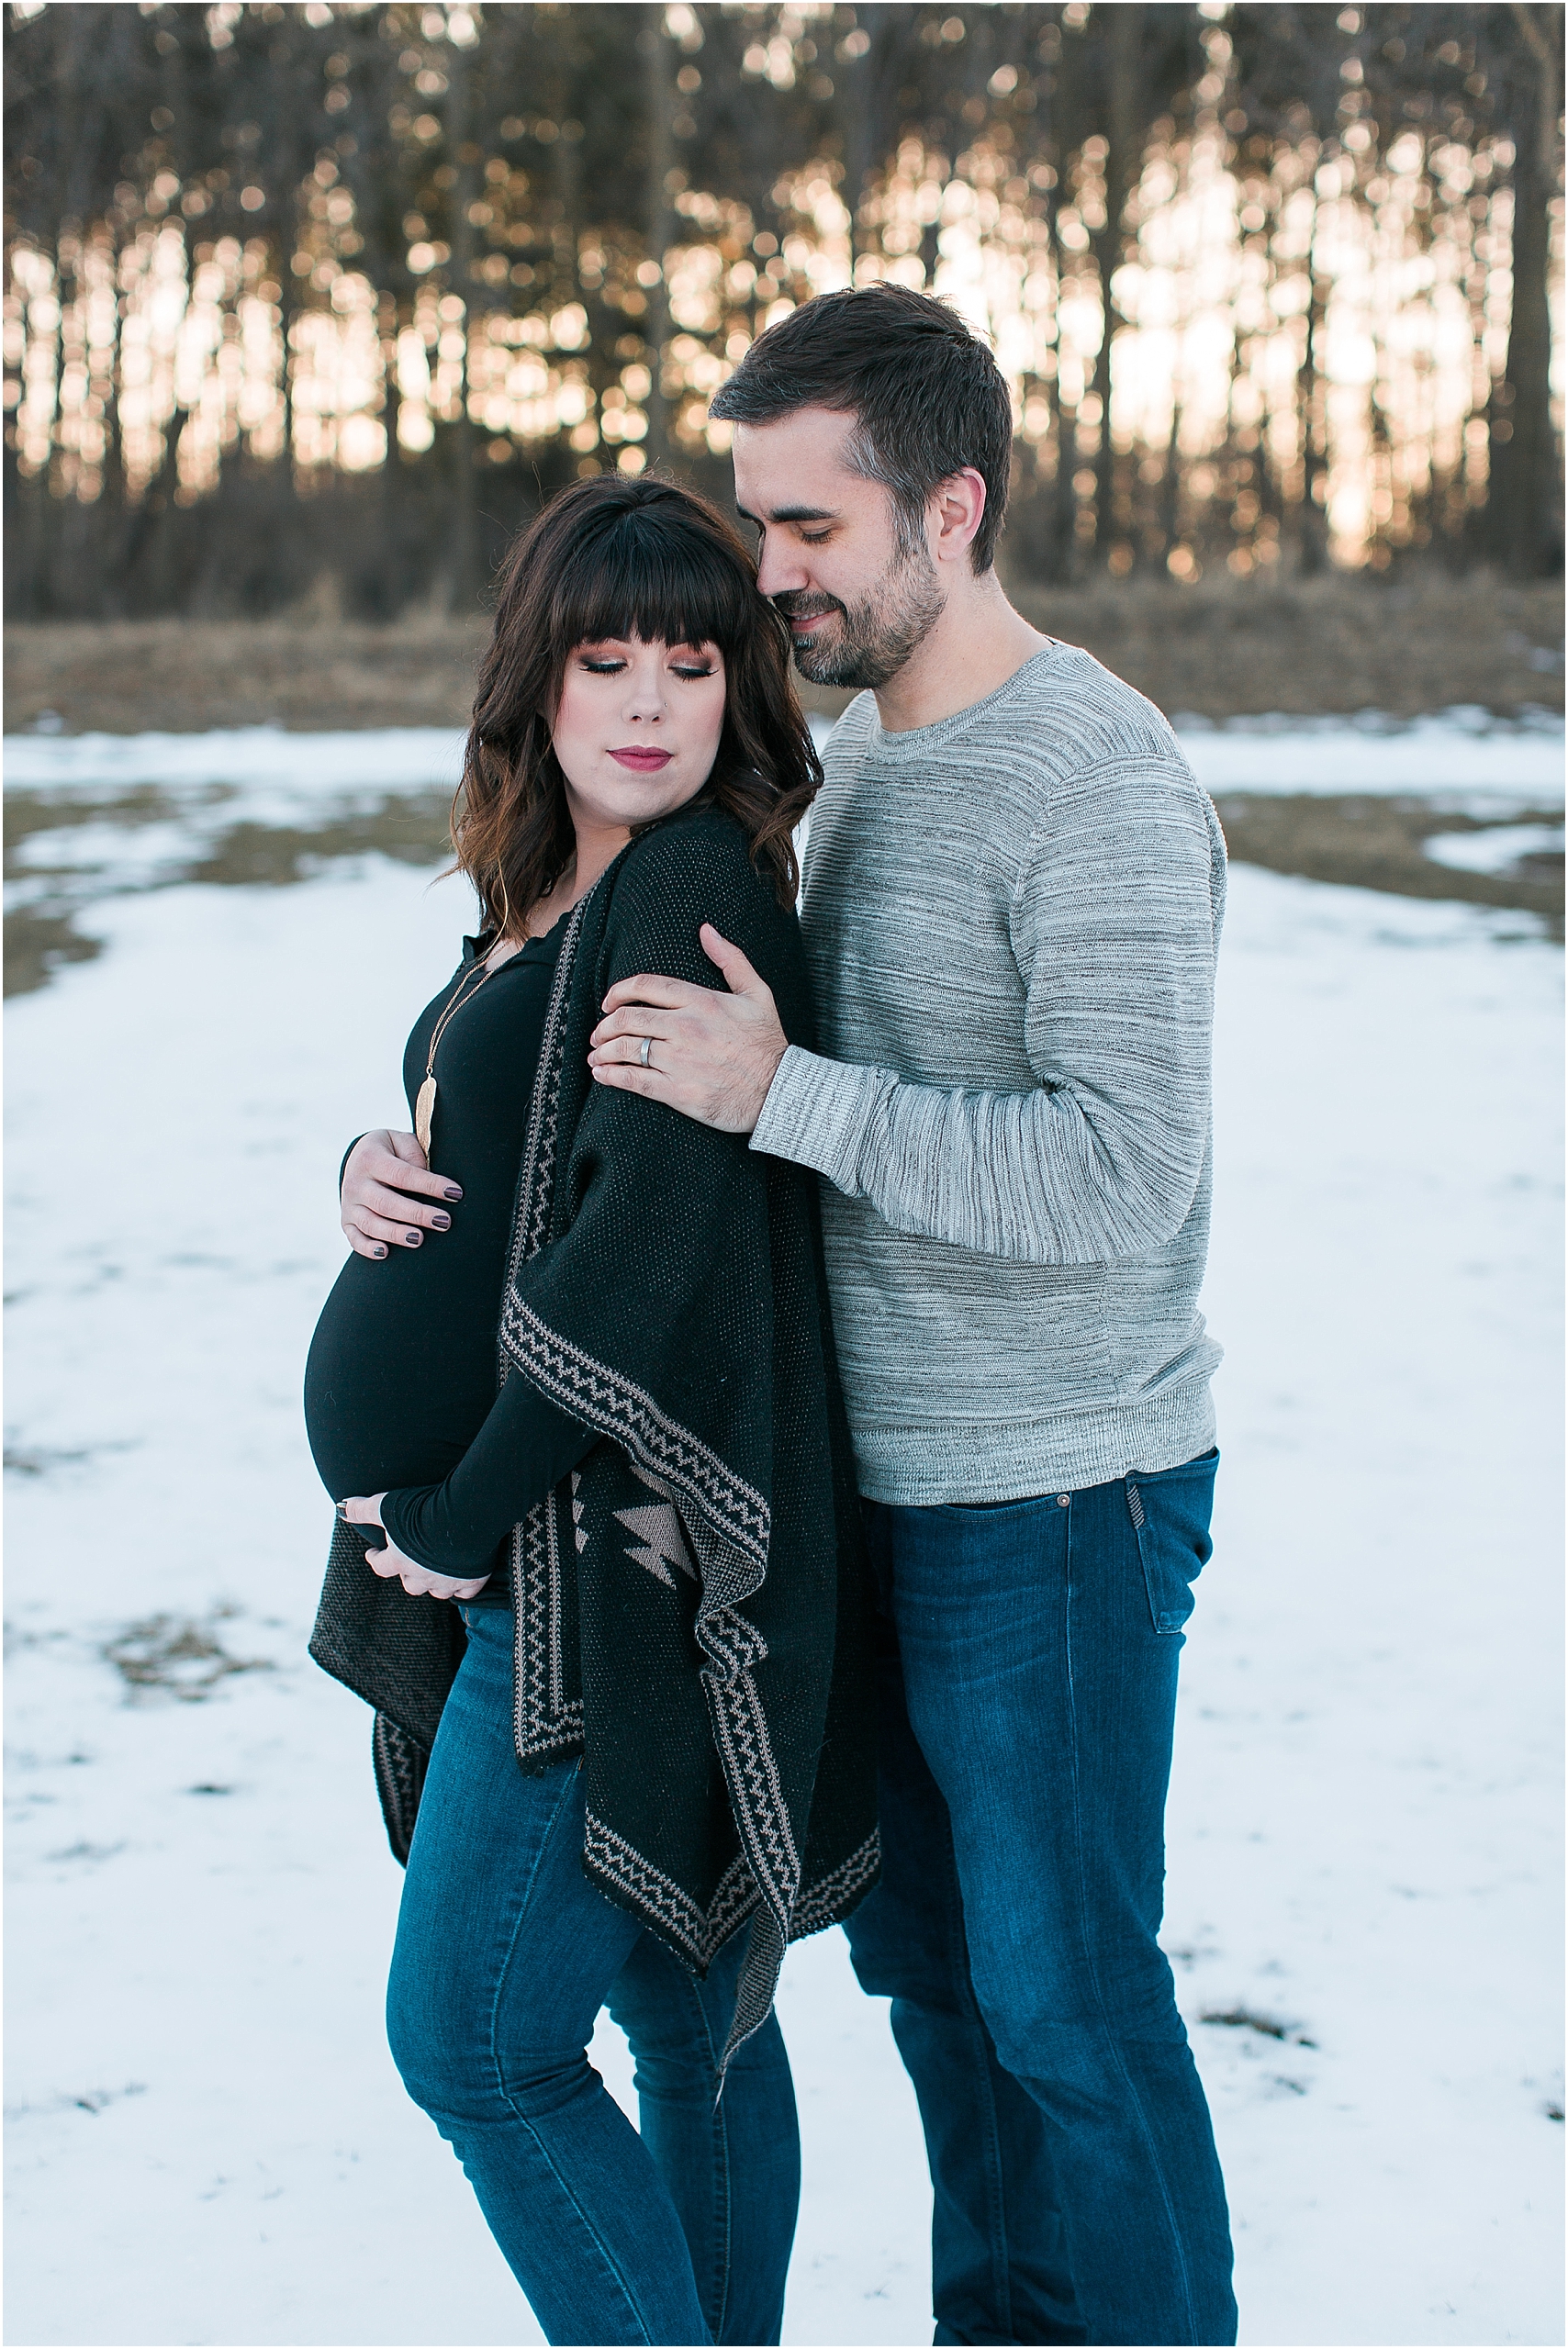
x,y
780,570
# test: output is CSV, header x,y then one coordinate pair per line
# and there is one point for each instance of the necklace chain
x,y
453,1003
424,1106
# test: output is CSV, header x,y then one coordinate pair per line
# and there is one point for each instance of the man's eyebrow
x,y
792,514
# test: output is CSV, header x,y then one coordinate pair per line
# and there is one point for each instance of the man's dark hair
x,y
926,394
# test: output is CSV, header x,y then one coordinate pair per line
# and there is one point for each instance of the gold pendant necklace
x,y
424,1101
424,1110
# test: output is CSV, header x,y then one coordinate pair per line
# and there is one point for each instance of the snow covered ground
x,y
207,2140
1453,750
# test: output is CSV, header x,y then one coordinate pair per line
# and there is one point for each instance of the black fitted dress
x,y
400,1385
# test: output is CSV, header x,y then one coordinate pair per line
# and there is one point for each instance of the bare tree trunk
x,y
1524,500
1271,487
110,520
1061,128
1170,486
20,535
857,78
867,112
1123,165
658,100
461,581
1312,552
114,449
930,249
391,484
1063,534
147,539
569,159
288,239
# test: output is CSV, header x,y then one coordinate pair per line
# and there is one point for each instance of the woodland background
x,y
315,301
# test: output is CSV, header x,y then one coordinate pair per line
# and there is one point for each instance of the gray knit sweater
x,y
1011,918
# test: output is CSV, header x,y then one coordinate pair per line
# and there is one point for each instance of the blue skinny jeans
x,y
505,1954
1027,1691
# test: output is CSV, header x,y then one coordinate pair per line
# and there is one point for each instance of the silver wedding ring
x,y
646,1050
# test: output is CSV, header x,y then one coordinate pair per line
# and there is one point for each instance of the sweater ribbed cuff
x,y
817,1114
400,1514
343,1161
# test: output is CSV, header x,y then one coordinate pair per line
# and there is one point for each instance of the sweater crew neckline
x,y
918,741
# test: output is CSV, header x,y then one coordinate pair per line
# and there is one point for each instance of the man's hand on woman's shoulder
x,y
385,1188
711,1055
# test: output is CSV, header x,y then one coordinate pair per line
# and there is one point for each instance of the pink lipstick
x,y
642,761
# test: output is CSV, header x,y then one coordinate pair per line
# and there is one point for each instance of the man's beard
x,y
873,639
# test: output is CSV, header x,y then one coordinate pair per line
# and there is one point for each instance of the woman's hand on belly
x,y
391,1564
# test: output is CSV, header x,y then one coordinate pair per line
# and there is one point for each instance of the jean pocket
x,y
995,1508
1170,1516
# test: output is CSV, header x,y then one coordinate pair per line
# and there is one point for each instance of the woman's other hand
x,y
387,1182
393,1567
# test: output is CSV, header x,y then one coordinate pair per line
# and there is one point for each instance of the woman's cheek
x,y
715,730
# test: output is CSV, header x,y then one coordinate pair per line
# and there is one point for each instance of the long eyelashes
x,y
613,668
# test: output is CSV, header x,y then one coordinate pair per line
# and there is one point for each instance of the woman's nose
x,y
645,701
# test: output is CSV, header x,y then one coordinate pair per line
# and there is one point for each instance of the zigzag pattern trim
x,y
825,1903
612,1405
542,1722
731,1642
755,1990
646,1889
536,1179
740,1728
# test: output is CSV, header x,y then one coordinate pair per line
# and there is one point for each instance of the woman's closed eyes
x,y
612,664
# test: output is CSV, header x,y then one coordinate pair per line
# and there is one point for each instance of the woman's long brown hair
x,y
617,558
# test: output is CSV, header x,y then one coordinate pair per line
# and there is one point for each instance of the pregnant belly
x,y
401,1373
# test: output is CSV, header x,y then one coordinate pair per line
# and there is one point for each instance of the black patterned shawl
x,y
690,1603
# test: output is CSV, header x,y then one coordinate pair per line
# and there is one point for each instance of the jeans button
x,y
1064,1500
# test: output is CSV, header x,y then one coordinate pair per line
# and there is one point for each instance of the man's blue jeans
x,y
1027,1666
505,1954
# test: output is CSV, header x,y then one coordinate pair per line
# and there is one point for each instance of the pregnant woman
x,y
598,1564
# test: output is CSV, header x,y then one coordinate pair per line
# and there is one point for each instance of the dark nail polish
x,y
413,1240
440,1223
378,1251
452,1191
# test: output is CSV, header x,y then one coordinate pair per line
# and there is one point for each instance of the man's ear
x,y
958,507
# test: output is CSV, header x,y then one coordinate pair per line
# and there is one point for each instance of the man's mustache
x,y
795,604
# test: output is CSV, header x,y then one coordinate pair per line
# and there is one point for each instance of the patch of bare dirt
x,y
40,934
1380,844
170,1655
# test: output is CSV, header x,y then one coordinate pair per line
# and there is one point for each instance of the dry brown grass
x,y
1312,647
1222,649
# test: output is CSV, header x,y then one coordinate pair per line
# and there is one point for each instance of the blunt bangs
x,y
650,574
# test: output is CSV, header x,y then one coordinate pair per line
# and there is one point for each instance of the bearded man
x,y
1012,896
